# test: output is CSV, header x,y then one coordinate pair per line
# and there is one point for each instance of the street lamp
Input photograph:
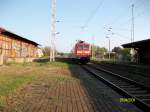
x,y
109,30
109,46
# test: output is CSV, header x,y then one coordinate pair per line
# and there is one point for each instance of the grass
x,y
58,64
14,76
64,78
11,85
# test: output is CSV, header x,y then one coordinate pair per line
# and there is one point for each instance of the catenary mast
x,y
53,30
132,52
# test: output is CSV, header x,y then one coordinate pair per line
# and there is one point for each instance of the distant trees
x,y
62,54
101,49
117,53
98,52
117,50
125,52
122,53
46,50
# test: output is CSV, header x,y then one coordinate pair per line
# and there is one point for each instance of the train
x,y
81,52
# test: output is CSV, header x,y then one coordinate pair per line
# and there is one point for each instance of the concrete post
x,y
1,58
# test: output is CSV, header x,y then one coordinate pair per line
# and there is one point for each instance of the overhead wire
x,y
92,14
118,18
135,17
136,4
122,36
139,4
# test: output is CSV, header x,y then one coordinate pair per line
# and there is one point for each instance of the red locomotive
x,y
82,51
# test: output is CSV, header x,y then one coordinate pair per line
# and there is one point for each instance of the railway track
x,y
132,73
141,71
127,88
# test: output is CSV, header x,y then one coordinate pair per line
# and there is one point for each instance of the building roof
x,y
138,44
15,36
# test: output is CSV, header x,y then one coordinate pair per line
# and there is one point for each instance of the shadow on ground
x,y
96,97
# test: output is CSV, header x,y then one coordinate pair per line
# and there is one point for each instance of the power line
x,y
136,5
121,29
92,14
132,19
137,15
122,36
139,4
141,13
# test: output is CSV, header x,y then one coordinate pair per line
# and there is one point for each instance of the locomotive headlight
x,y
86,52
79,51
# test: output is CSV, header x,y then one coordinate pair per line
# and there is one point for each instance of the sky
x,y
86,20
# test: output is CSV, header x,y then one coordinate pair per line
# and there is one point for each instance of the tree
x,y
126,54
46,51
99,51
122,53
102,49
117,50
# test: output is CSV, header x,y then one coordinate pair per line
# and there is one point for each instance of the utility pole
x,y
108,46
132,52
53,30
132,24
93,51
109,30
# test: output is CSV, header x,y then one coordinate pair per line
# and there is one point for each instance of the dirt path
x,y
67,90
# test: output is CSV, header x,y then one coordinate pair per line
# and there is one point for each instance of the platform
x,y
71,90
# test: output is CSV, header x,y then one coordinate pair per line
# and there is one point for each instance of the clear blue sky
x,y
31,19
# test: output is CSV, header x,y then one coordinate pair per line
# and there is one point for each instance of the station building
x,y
142,49
15,46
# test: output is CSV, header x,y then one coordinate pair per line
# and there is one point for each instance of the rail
x,y
124,86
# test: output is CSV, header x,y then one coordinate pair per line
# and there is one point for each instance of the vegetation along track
x,y
124,86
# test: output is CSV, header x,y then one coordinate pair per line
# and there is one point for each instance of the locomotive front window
x,y
86,47
83,47
80,47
